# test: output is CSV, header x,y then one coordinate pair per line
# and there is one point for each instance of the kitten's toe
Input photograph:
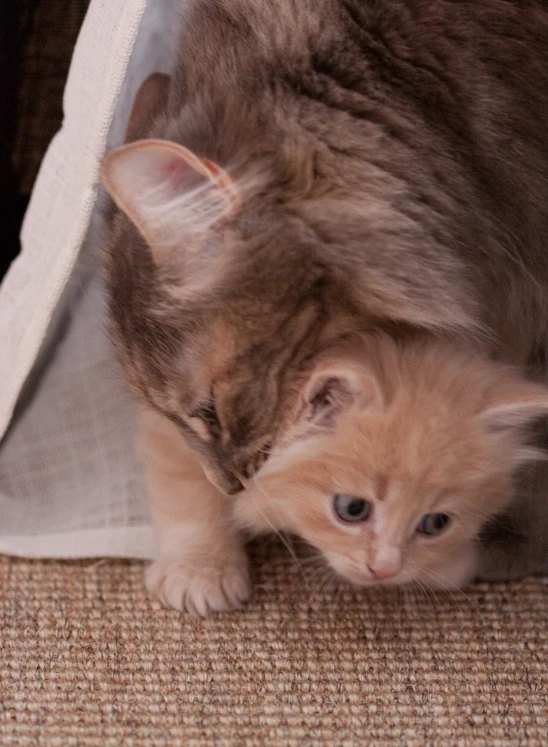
x,y
199,589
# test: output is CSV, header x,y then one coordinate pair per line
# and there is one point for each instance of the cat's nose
x,y
382,570
226,482
384,561
233,485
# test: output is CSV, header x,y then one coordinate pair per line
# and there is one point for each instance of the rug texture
x,y
87,659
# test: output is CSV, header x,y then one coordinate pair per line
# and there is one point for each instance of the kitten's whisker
x,y
325,575
446,590
321,581
447,585
276,531
412,589
429,593
489,518
327,578
311,563
313,557
339,583
421,590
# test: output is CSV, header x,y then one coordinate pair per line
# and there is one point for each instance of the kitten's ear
x,y
334,389
173,197
514,405
150,100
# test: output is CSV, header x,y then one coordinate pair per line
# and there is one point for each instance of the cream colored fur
x,y
414,429
202,566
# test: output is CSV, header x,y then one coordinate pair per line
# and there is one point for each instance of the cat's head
x,y
218,298
391,467
208,331
225,279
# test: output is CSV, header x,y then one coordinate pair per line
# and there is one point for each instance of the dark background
x,y
37,38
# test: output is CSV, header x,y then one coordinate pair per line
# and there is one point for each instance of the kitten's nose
x,y
384,561
382,570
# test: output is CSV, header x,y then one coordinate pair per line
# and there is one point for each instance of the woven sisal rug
x,y
87,660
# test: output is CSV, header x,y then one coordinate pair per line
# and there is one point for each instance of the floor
x,y
87,659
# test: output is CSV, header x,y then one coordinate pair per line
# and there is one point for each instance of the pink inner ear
x,y
151,178
165,169
185,172
181,177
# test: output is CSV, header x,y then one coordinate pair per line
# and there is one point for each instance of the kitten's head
x,y
391,467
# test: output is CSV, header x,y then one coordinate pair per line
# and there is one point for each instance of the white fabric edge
x,y
135,542
52,287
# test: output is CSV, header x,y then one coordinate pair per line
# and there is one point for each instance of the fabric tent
x,y
70,481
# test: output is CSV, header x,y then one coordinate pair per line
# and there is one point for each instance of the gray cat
x,y
316,171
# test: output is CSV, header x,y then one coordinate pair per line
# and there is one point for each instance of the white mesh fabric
x,y
70,480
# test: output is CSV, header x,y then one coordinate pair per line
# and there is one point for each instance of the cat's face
x,y
396,487
371,527
212,308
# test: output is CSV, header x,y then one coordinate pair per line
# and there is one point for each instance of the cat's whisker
x,y
427,590
328,578
412,589
476,512
317,558
324,576
321,580
276,531
310,564
427,594
290,544
340,585
451,588
266,450
320,572
418,588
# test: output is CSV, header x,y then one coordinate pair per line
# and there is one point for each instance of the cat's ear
x,y
335,389
514,405
173,197
150,100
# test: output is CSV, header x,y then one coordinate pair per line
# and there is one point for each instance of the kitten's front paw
x,y
199,589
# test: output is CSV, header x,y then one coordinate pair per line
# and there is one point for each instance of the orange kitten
x,y
394,461
390,465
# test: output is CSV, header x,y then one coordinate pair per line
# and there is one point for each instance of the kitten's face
x,y
398,488
372,526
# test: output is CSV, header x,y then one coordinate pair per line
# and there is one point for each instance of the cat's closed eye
x,y
351,509
432,524
207,413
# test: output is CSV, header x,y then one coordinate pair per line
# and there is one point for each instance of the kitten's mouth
x,y
361,578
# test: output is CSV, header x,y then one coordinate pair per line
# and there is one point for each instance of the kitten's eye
x,y
433,524
349,508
